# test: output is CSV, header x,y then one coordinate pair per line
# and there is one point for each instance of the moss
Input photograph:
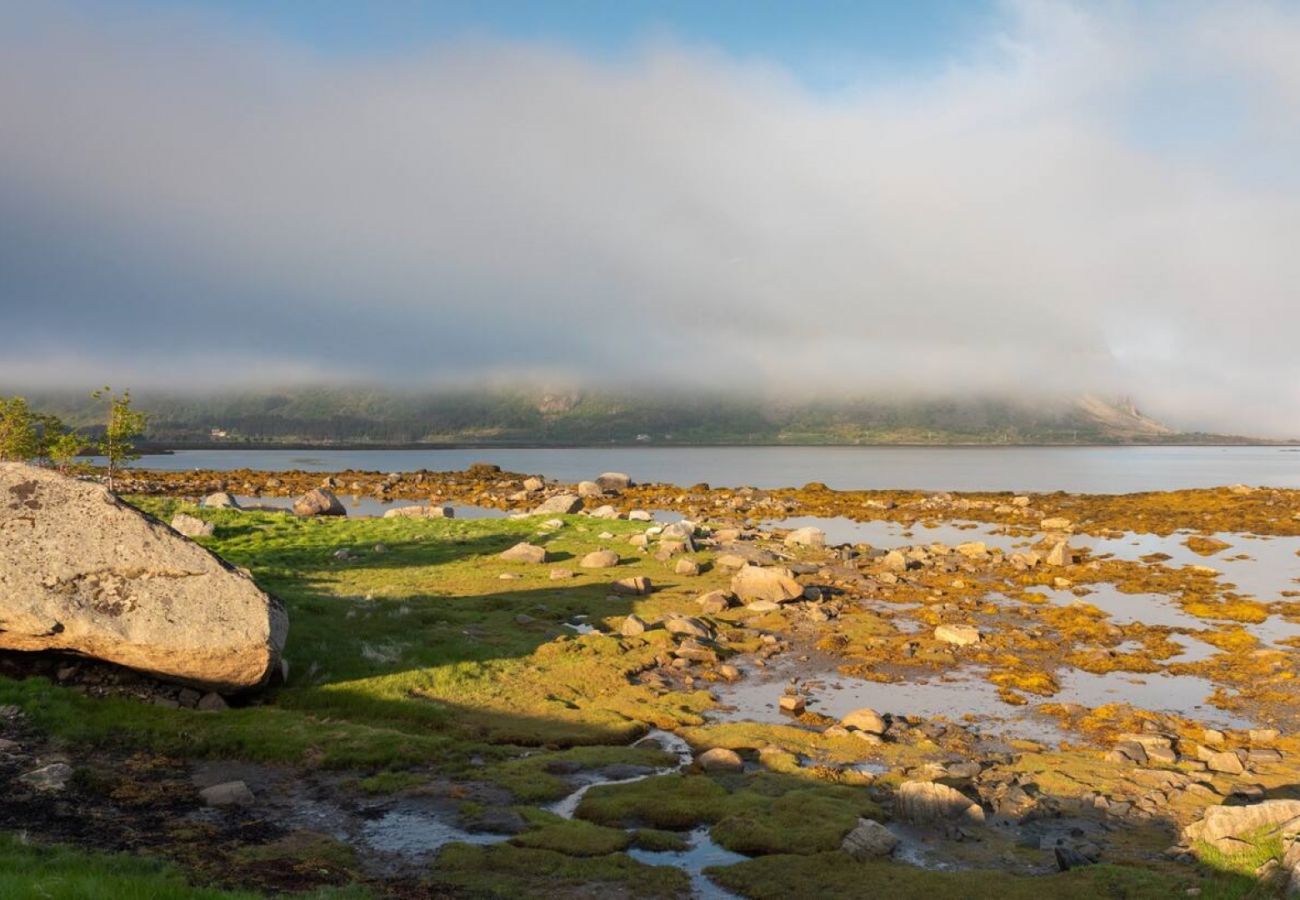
x,y
540,777
751,814
573,837
837,875
658,841
390,782
507,871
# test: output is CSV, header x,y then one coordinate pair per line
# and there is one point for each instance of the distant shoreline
x,y
167,448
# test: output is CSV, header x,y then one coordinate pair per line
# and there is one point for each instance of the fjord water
x,y
1093,470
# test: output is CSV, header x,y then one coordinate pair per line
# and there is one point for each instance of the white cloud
x,y
180,197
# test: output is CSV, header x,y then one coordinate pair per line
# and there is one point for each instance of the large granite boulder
x,y
83,572
319,502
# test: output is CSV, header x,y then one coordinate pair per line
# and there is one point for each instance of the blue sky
x,y
824,43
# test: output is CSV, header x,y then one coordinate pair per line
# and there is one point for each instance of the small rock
x,y
525,552
864,719
319,502
720,759
687,567
958,635
560,504
192,526
791,703
48,779
639,585
229,793
806,537
869,840
600,559
632,626
212,702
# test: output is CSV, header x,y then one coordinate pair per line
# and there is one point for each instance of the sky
x,y
807,199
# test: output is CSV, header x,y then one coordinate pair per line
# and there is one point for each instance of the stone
x,y
869,840
791,703
687,567
720,759
729,673
1224,822
864,719
600,559
524,552
639,515
318,502
973,549
1225,761
714,602
561,574
632,626
638,585
894,561
212,702
83,572
958,635
533,485
613,481
604,512
806,537
219,500
192,526
689,626
927,802
1060,555
559,505
1264,736
763,606
48,779
1056,523
753,583
228,793
589,490
432,511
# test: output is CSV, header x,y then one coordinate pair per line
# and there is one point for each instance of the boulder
x,y
318,502
559,505
1220,824
525,552
613,481
867,720
219,500
48,779
600,559
753,583
533,485
870,840
192,526
589,490
925,802
972,549
1060,555
638,585
632,626
83,572
958,635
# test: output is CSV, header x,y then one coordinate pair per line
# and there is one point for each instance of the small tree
x,y
63,448
124,426
18,435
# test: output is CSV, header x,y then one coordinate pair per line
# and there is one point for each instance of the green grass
x,y
507,871
51,872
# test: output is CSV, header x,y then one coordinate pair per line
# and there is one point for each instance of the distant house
x,y
218,433
643,438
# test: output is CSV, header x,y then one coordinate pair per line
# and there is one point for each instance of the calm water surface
x,y
1114,470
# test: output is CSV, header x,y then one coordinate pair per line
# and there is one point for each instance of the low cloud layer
x,y
1088,199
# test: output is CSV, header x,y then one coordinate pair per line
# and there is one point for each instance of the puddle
x,y
972,700
1272,566
1127,609
369,507
702,853
409,833
884,533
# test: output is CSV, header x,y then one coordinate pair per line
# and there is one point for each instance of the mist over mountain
x,y
517,415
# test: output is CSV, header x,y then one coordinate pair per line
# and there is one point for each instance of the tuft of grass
x,y
507,871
